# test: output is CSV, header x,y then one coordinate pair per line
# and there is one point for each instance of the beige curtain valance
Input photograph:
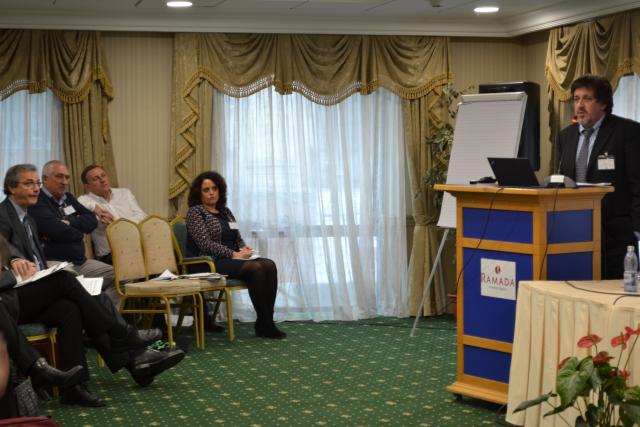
x,y
608,46
71,65
67,62
324,68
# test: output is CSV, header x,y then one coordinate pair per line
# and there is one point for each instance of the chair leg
x,y
52,356
231,332
198,321
167,316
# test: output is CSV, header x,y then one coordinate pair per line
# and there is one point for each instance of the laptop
x,y
513,172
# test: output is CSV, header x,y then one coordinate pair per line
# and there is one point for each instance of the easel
x,y
437,264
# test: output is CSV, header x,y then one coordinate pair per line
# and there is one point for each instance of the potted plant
x,y
598,390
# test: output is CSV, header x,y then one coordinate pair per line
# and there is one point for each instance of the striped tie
x,y
582,161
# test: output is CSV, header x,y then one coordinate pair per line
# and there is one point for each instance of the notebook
x,y
513,172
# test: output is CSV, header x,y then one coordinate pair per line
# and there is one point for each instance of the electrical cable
x,y
550,233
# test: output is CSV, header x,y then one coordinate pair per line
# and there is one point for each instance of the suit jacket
x,y
617,137
63,242
19,246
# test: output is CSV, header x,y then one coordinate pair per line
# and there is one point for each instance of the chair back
x,y
126,250
179,237
157,245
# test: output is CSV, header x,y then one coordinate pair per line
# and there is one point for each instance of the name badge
x,y
233,225
606,162
68,210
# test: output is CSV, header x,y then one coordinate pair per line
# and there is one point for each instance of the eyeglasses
x,y
32,184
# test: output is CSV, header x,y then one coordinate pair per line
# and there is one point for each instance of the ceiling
x,y
420,17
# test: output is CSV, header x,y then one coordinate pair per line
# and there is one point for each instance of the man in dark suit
x,y
62,224
602,147
60,301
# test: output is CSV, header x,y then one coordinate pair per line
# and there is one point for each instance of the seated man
x,y
60,301
108,204
62,223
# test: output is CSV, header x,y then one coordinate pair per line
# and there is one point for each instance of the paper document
x,y
167,275
42,273
593,184
93,285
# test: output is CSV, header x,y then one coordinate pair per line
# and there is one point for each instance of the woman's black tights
x,y
261,277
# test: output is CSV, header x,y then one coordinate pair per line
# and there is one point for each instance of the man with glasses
x,y
602,147
62,223
59,301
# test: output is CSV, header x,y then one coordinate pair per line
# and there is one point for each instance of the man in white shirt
x,y
108,204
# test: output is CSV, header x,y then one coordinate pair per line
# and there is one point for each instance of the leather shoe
x,y
210,326
80,395
150,363
42,374
133,339
269,330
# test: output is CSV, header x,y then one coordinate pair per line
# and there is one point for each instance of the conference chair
x,y
132,279
179,234
39,333
157,245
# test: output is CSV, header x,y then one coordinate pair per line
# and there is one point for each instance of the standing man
x,y
602,147
62,223
108,204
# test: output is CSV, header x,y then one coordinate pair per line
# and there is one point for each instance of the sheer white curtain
x,y
321,191
30,129
626,98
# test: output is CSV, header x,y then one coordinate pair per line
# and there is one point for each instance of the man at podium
x,y
602,147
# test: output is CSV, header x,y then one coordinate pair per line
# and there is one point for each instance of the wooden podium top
x,y
593,191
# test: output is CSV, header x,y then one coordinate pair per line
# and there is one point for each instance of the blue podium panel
x,y
569,226
488,364
484,316
571,266
501,225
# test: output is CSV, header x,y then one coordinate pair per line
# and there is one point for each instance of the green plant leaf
x,y
632,395
533,402
573,380
632,411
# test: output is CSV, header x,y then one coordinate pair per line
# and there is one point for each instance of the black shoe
x,y
210,326
80,395
150,363
269,330
133,339
42,375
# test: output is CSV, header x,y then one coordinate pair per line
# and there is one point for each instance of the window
x,y
626,98
321,191
30,129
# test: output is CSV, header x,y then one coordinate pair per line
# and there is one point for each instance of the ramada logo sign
x,y
498,278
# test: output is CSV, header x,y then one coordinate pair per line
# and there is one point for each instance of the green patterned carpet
x,y
364,373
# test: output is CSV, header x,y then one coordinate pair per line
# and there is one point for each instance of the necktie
x,y
34,248
582,161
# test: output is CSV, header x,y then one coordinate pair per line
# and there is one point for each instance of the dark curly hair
x,y
599,85
194,192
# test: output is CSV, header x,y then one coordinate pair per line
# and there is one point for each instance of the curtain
x,y
320,190
70,64
30,129
608,46
626,98
323,69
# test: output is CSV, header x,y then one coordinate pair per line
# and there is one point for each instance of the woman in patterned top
x,y
212,230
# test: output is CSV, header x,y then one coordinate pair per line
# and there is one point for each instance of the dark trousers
x,y
60,301
20,351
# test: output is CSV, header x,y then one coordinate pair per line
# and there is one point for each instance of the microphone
x,y
558,180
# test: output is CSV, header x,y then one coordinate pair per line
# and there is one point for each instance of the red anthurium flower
x,y
629,331
588,341
601,358
624,374
564,361
619,340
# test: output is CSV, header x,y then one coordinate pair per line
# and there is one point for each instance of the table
x,y
551,316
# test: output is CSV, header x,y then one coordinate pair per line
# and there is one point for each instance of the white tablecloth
x,y
550,319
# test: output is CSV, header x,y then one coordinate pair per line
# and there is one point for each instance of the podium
x,y
505,235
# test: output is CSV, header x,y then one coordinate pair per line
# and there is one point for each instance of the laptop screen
x,y
513,172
